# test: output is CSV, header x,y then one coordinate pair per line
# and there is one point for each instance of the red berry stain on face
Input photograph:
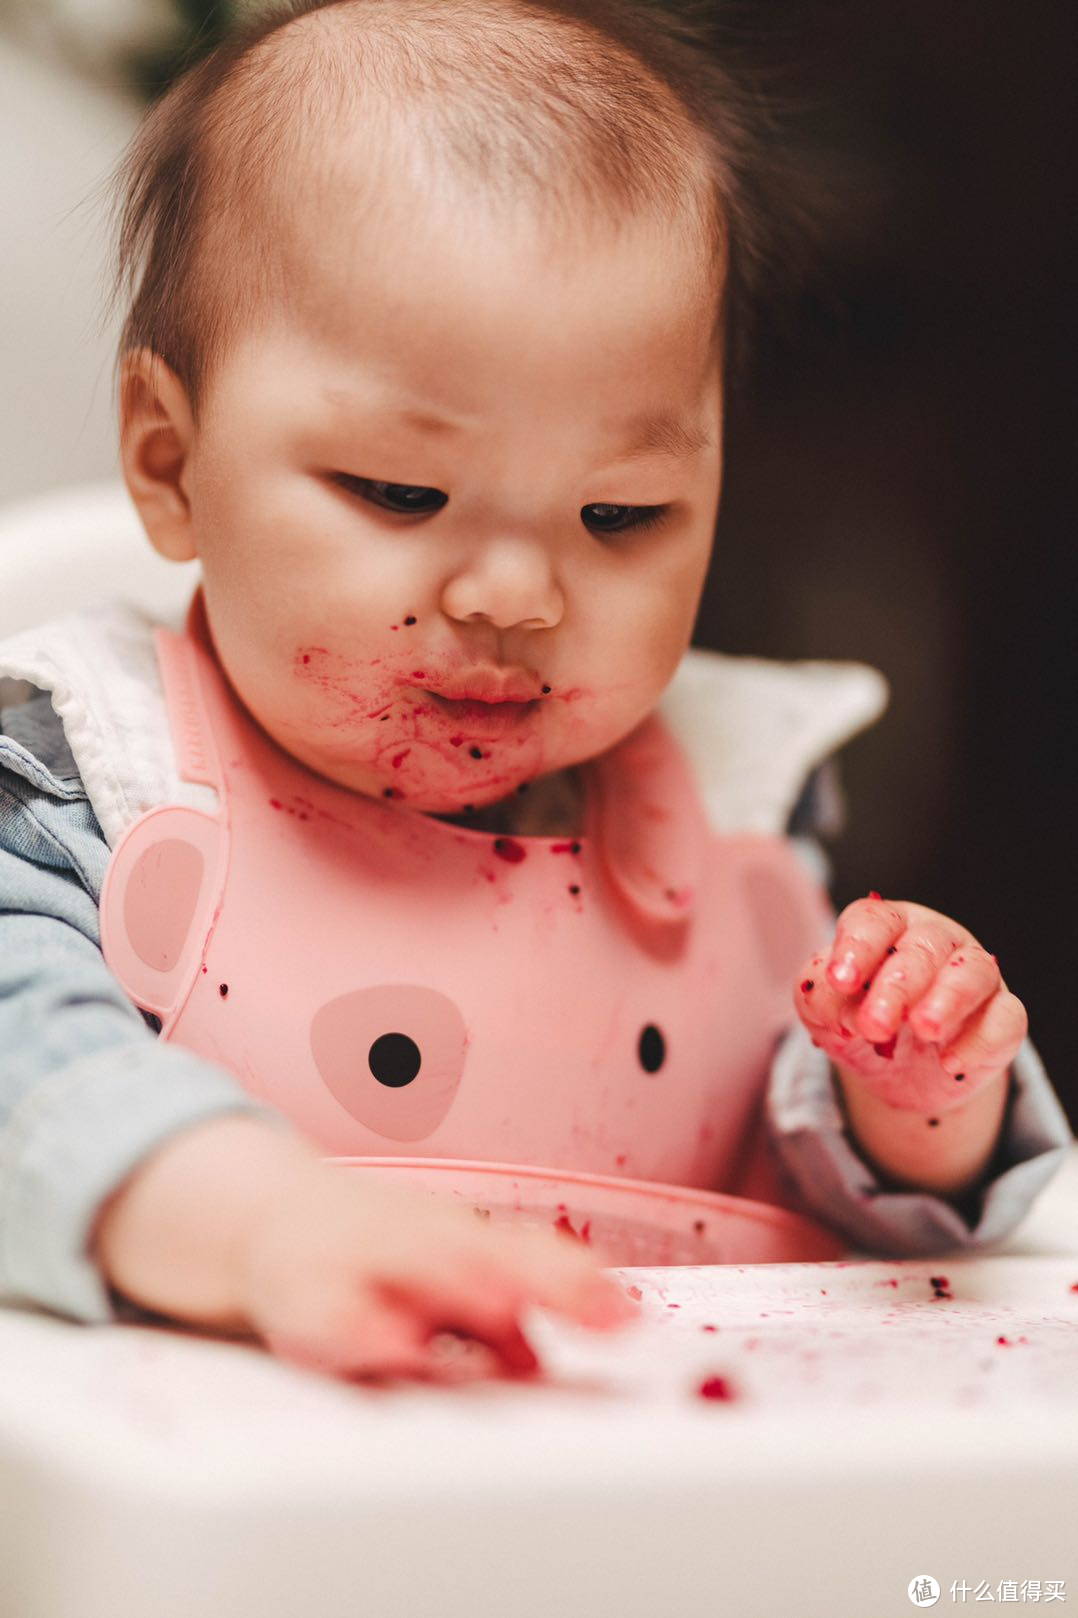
x,y
306,657
275,803
808,986
1004,1342
634,1292
398,758
419,674
709,1328
456,741
508,849
1074,1286
565,848
716,1387
621,1160
887,1049
874,894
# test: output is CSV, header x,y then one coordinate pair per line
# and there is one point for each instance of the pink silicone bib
x,y
400,987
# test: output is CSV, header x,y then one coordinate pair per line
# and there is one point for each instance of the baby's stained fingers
x,y
963,984
937,992
989,1041
864,932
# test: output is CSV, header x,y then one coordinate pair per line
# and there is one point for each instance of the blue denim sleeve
x,y
86,1089
808,1131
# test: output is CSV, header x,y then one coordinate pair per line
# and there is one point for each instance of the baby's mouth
x,y
479,714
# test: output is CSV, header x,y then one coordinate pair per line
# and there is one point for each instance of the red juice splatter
x,y
634,1292
874,894
709,1328
565,848
456,741
275,803
621,1160
715,1387
398,758
508,849
808,986
887,1048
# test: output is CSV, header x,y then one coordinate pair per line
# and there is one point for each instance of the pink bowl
x,y
631,1222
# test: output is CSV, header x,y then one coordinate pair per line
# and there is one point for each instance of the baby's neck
x,y
553,806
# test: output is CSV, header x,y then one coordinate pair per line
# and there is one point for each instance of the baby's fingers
x,y
964,984
483,1289
863,933
989,1041
343,1333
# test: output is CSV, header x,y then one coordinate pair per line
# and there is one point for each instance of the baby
x,y
425,366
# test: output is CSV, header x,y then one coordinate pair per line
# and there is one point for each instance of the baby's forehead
x,y
454,109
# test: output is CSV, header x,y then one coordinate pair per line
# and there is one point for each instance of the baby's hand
x,y
352,1276
908,1001
239,1225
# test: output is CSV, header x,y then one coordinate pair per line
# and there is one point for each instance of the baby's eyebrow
x,y
664,434
650,433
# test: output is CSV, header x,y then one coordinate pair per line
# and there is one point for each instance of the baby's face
x,y
455,508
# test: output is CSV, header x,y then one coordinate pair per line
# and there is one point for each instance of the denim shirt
x,y
87,1090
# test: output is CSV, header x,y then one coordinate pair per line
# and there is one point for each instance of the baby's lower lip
x,y
491,718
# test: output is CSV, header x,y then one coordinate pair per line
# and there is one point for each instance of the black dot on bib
x,y
394,1059
651,1049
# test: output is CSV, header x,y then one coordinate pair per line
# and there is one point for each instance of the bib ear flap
x,y
161,891
647,824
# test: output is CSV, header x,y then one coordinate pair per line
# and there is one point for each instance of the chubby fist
x,y
910,1003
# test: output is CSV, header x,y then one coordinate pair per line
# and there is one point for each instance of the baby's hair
x,y
589,110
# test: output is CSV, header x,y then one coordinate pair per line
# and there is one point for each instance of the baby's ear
x,y
157,433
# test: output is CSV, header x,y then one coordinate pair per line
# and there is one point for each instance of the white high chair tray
x,y
876,1432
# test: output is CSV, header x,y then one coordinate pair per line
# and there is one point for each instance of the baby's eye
x,y
605,519
404,497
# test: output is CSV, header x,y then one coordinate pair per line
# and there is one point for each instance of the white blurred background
x,y
71,72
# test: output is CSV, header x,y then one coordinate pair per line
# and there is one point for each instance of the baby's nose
x,y
510,583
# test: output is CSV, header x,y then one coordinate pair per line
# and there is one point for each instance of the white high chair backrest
x,y
76,546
